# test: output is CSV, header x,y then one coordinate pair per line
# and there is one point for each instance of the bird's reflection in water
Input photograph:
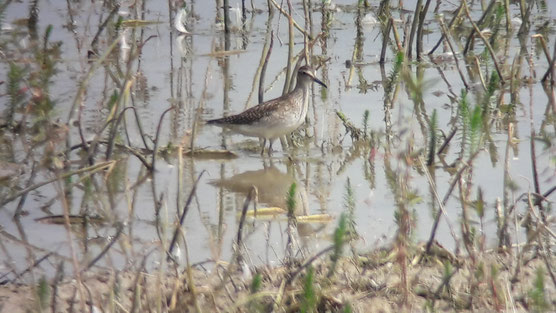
x,y
272,186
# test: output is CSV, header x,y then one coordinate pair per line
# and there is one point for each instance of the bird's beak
x,y
318,81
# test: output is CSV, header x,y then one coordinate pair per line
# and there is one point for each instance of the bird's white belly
x,y
267,130
281,122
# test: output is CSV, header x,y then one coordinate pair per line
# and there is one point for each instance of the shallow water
x,y
186,72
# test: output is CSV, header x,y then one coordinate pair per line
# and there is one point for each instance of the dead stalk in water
x,y
455,180
114,239
447,141
385,37
289,16
441,204
69,234
485,41
396,35
112,135
414,24
446,34
422,16
264,65
157,137
91,169
179,225
456,15
251,196
550,70
471,38
479,72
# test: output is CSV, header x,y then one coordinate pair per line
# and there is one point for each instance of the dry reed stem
x,y
265,56
199,110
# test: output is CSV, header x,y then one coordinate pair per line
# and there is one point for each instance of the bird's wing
x,y
250,115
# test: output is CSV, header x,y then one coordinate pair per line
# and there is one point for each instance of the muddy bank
x,y
492,283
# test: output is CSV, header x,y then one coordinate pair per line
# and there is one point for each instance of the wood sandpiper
x,y
277,117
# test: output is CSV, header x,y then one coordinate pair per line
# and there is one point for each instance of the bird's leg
x,y
270,146
264,144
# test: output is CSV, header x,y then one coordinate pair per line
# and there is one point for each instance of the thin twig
x,y
113,133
